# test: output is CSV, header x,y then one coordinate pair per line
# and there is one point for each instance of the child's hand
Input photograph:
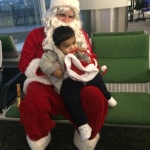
x,y
58,73
81,51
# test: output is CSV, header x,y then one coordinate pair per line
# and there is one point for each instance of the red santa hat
x,y
62,3
80,73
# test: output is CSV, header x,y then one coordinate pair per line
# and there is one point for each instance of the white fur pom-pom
x,y
103,68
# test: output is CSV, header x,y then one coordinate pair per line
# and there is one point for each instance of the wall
x,y
104,16
101,4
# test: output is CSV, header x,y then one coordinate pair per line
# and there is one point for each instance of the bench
x,y
118,33
10,54
127,78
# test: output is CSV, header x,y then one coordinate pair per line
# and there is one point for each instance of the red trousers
x,y
41,102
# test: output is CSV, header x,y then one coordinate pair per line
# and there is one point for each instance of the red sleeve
x,y
32,48
89,44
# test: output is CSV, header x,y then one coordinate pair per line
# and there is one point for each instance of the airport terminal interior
x,y
18,18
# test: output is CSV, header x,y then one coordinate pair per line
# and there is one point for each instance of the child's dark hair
x,y
61,34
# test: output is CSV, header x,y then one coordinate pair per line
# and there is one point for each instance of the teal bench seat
x,y
127,78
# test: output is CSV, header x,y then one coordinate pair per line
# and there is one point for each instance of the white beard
x,y
75,25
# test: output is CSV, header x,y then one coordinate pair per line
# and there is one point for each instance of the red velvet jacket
x,y
33,47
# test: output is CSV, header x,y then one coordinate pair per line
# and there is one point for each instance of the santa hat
x,y
62,3
80,72
104,69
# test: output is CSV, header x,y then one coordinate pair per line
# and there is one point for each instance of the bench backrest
x,y
8,47
140,32
126,57
9,52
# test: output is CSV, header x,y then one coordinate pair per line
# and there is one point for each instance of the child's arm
x,y
47,65
58,73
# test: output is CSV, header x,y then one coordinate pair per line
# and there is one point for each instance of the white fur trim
x,y
87,145
31,74
60,3
41,144
90,70
43,80
103,68
31,69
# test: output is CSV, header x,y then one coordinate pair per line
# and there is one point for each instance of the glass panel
x,y
18,17
47,4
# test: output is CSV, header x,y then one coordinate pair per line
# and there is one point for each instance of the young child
x,y
67,86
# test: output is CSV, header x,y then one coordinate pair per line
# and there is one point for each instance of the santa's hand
x,y
58,73
81,51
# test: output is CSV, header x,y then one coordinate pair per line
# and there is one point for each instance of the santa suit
x,y
41,102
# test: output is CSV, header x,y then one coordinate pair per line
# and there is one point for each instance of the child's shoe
x,y
85,132
112,102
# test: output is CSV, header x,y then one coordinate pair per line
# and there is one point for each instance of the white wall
x,y
102,4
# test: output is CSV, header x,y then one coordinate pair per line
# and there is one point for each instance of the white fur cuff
x,y
41,144
32,68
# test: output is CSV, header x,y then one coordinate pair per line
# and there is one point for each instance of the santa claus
x,y
41,102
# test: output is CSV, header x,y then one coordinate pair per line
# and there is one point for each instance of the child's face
x,y
68,45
